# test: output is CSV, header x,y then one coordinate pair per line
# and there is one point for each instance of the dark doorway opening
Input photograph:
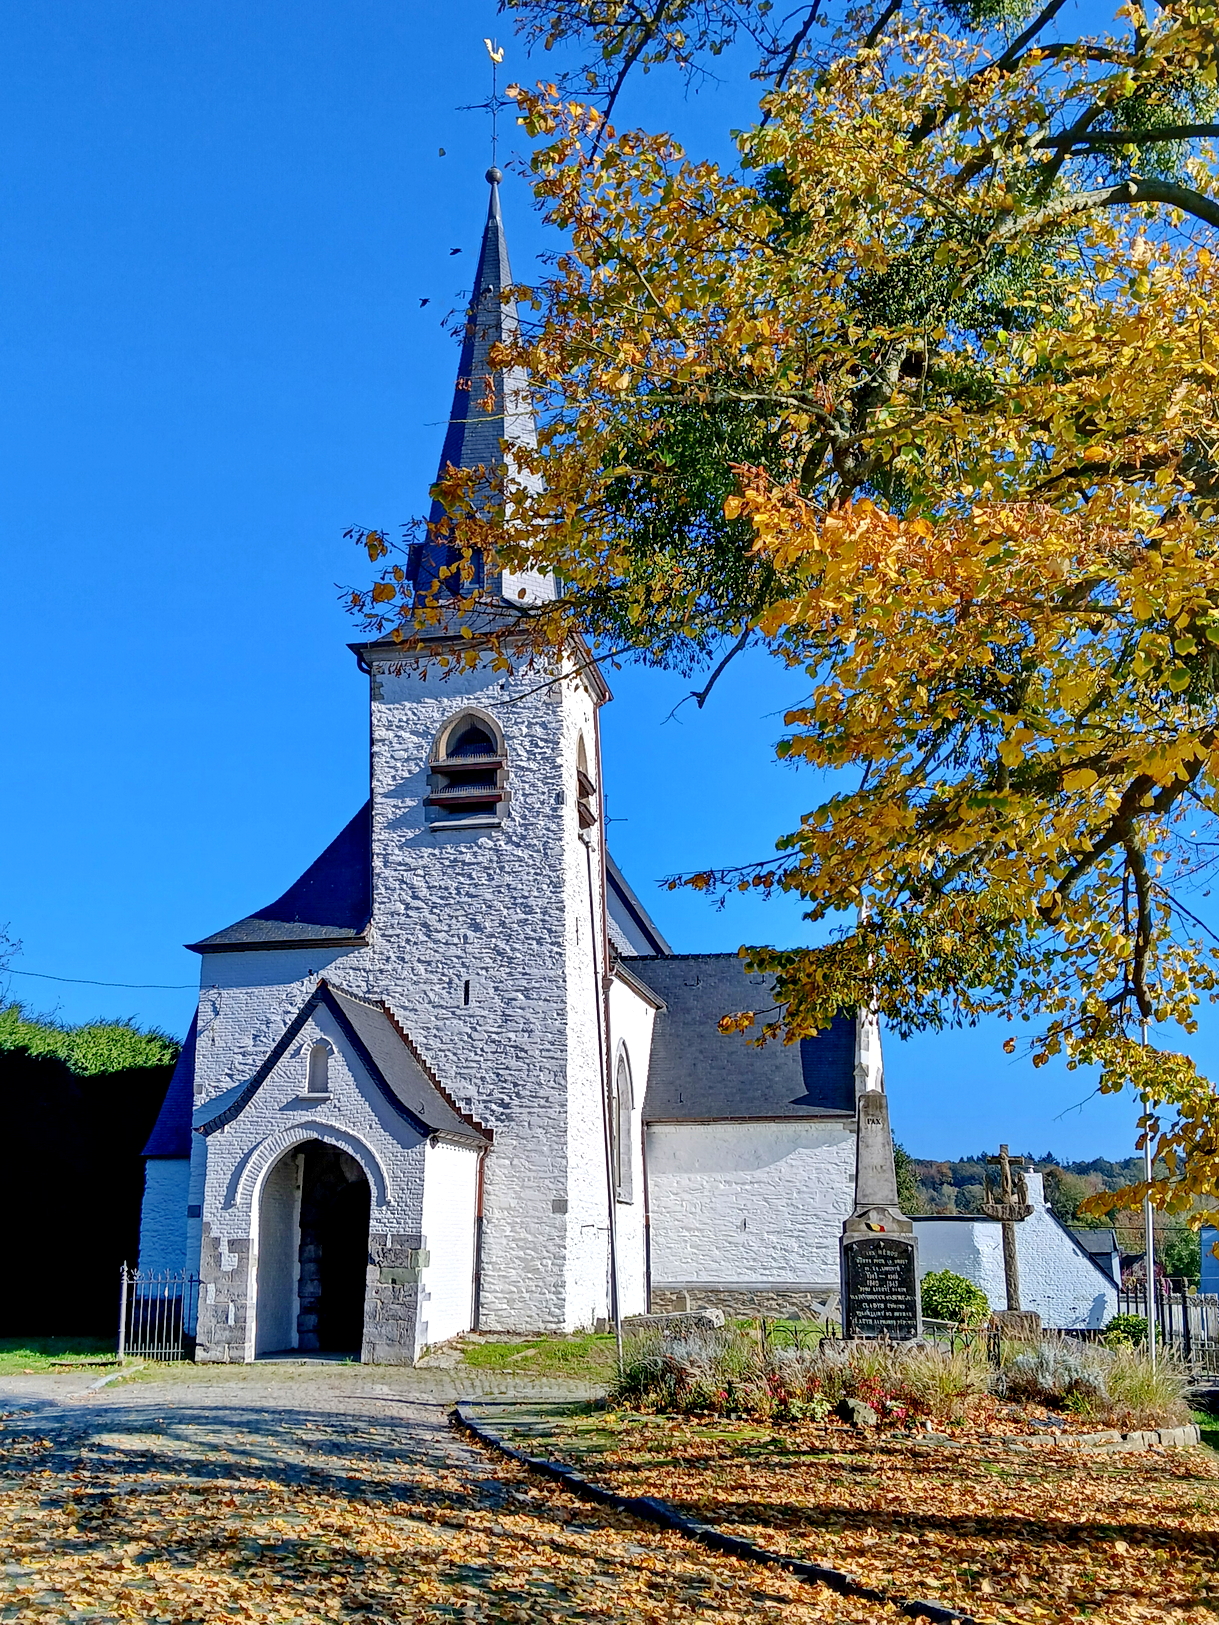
x,y
335,1202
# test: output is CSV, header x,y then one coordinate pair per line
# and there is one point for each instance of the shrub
x,y
731,1371
1143,1395
1182,1255
951,1297
1118,1386
1126,1331
1054,1373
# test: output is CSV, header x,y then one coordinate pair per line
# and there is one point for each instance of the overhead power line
x,y
87,981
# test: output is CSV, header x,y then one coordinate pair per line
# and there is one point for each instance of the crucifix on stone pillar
x,y
1011,1207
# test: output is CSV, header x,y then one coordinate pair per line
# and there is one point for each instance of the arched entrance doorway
x,y
313,1252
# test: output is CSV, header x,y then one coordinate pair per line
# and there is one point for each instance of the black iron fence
x,y
1186,1322
157,1314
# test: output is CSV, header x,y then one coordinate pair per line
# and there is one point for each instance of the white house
x,y
454,1077
1071,1285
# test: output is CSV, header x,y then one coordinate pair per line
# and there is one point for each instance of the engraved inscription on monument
x,y
881,1289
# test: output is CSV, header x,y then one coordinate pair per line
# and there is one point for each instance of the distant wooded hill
x,y
960,1187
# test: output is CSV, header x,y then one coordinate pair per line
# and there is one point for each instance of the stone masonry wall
x,y
502,909
738,1203
355,1119
163,1213
746,1302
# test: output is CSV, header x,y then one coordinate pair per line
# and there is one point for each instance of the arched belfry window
x,y
469,772
624,1130
586,789
318,1076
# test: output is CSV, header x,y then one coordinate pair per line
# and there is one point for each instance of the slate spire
x,y
490,409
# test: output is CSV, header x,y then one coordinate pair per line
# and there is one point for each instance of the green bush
x,y
93,1048
951,1297
1126,1331
1181,1255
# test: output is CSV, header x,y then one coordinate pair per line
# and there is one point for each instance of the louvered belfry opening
x,y
468,778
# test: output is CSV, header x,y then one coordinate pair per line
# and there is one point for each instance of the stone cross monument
x,y
879,1250
1010,1209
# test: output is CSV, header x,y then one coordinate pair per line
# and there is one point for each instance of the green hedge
x,y
90,1049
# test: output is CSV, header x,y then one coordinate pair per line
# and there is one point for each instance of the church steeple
x,y
491,410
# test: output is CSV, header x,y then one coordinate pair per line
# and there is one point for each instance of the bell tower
x,y
488,929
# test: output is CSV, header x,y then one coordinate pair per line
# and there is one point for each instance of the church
x,y
454,1078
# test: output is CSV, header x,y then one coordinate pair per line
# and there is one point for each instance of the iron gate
x,y
157,1312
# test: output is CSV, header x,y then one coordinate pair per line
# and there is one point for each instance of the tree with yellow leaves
x,y
922,397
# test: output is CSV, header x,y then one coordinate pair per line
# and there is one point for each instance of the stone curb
x,y
659,1512
104,1382
1147,1439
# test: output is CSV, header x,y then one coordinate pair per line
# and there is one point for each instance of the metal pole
x,y
1149,1234
1150,1263
607,1124
123,1314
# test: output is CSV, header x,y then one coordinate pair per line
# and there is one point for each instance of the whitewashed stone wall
x,y
506,909
240,1157
449,1199
163,1213
631,1021
739,1205
1057,1279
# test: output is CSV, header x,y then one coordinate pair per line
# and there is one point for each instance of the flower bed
x,y
1058,1383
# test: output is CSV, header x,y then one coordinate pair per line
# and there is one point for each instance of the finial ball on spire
x,y
495,176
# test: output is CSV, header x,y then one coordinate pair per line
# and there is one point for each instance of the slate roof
x,y
1100,1245
387,1053
698,1075
630,922
489,407
329,906
170,1135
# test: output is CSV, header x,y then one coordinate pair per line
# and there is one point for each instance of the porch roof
x,y
387,1053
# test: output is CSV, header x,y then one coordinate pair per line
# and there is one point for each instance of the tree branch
x,y
800,37
934,117
647,33
701,695
1137,865
1129,138
881,23
1143,190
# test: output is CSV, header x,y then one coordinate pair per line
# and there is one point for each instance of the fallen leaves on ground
x,y
1052,1535
124,1526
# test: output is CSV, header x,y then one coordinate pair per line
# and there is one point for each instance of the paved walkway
x,y
309,1493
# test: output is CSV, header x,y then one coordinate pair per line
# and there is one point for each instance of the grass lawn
x,y
1210,1428
584,1355
1051,1535
30,1354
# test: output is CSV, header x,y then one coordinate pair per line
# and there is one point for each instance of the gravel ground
x,y
309,1493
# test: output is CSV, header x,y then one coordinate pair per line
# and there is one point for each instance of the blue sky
x,y
219,222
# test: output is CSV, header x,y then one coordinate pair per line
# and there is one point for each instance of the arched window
x,y
586,789
319,1070
469,773
624,1131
